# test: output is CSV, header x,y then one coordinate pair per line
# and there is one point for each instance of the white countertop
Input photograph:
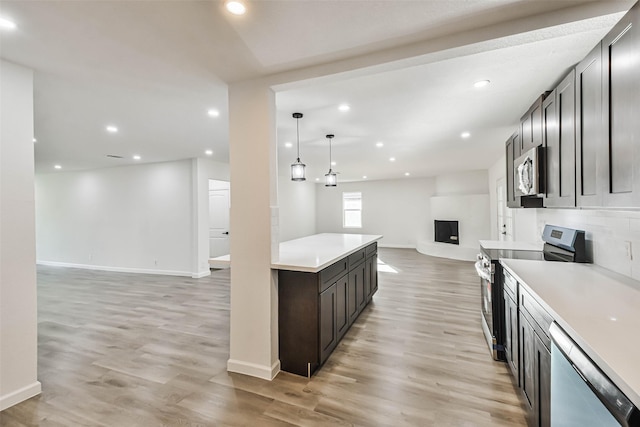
x,y
598,308
311,253
514,246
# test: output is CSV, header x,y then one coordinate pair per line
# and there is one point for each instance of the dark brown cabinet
x,y
527,349
315,310
535,358
511,345
620,165
371,274
531,126
512,148
589,135
342,312
559,140
527,367
542,359
328,322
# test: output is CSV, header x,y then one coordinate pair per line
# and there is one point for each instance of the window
x,y
352,210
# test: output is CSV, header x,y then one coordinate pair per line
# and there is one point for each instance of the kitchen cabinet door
x,y
371,276
511,337
352,296
589,134
621,113
361,292
531,126
527,368
342,308
543,384
559,137
512,148
328,326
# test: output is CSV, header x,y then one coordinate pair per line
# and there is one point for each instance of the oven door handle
x,y
609,394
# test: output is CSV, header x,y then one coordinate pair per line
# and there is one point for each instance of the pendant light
x,y
297,168
331,179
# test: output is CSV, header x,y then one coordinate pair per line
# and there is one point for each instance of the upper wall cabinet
x,y
620,174
559,138
589,135
531,126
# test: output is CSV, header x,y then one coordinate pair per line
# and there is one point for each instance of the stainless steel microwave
x,y
529,173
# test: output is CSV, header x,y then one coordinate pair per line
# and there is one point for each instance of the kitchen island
x,y
324,282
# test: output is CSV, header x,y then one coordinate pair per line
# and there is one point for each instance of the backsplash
x,y
613,237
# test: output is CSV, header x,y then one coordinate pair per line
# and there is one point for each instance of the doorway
x,y
505,215
219,205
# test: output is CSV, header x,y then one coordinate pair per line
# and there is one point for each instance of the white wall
x,y
18,302
462,183
297,206
131,218
397,209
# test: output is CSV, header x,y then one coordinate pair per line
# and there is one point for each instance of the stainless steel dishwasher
x,y
581,394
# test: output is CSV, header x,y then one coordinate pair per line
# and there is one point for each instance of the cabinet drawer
x,y
356,258
371,249
510,285
529,306
331,274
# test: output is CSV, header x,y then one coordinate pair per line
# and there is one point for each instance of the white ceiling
x,y
406,68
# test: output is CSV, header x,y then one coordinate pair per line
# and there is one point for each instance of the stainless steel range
x,y
560,244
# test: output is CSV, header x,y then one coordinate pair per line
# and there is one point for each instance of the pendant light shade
x,y
330,178
297,167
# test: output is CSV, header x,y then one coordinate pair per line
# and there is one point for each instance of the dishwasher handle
x,y
609,394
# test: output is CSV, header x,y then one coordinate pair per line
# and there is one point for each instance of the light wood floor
x,y
140,350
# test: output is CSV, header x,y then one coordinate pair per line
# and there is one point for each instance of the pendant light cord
x,y
329,154
298,136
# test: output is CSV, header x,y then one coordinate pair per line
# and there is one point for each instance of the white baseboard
x,y
394,246
120,269
13,398
201,274
253,369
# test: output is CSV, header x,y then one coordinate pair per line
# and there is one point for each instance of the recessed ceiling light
x,y
392,159
344,107
333,163
209,152
407,174
7,24
317,179
58,167
136,157
481,83
364,176
213,113
288,144
465,134
112,129
236,7
35,140
379,144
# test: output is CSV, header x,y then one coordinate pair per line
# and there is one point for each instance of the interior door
x,y
505,218
218,222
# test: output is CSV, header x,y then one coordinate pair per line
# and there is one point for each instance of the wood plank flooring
x,y
140,350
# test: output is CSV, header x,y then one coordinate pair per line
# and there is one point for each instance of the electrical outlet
x,y
155,261
629,249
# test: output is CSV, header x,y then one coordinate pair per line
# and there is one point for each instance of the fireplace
x,y
446,232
